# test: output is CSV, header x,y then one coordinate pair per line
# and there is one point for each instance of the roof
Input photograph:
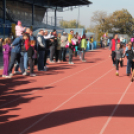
x,y
56,3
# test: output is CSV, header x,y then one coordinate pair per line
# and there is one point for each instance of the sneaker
x,y
32,75
132,80
10,74
3,76
117,74
46,67
128,74
52,61
72,63
24,74
17,72
7,77
113,65
83,60
58,61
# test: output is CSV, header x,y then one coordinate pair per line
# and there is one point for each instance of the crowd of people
x,y
120,50
25,50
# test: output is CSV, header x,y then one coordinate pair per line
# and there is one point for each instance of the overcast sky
x,y
104,5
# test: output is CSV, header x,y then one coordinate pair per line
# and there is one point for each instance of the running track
x,y
85,98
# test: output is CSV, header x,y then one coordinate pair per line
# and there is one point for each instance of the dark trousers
x,y
57,54
83,56
45,58
70,54
130,64
117,62
41,55
52,52
63,54
113,57
19,58
30,61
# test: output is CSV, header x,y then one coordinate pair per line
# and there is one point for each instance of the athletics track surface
x,y
84,98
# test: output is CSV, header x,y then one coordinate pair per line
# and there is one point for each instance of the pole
x,y
33,13
78,17
4,15
55,16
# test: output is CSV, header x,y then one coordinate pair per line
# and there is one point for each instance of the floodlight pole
x,y
4,15
55,17
33,13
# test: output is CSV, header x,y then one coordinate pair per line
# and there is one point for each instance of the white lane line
x,y
110,117
32,125
31,92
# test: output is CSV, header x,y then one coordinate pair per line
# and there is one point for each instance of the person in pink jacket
x,y
19,29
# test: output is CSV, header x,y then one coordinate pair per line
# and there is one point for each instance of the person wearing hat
x,y
64,41
19,29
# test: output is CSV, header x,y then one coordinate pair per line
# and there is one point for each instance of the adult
x,y
113,47
19,29
58,48
71,47
47,37
41,50
16,55
54,44
64,40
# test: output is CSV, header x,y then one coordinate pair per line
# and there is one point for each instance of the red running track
x,y
85,98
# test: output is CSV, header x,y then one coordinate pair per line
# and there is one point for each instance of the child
x,y
83,47
130,57
6,56
30,53
19,29
33,42
129,63
118,58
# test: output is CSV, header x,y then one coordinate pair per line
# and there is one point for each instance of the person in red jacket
x,y
113,47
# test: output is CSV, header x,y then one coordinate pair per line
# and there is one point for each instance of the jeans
x,y
52,52
30,60
83,56
129,65
16,57
70,54
41,55
25,59
63,54
113,56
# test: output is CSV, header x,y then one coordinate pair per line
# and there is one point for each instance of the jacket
x,y
41,43
16,44
113,45
64,40
83,43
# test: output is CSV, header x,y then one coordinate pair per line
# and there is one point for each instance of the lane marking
x,y
32,125
110,117
31,92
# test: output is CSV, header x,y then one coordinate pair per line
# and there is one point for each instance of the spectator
x,y
64,41
41,50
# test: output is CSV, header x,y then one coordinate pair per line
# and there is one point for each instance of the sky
x,y
102,5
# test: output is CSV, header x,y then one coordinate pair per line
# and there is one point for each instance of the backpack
x,y
22,46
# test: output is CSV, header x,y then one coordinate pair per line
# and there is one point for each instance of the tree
x,y
70,24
